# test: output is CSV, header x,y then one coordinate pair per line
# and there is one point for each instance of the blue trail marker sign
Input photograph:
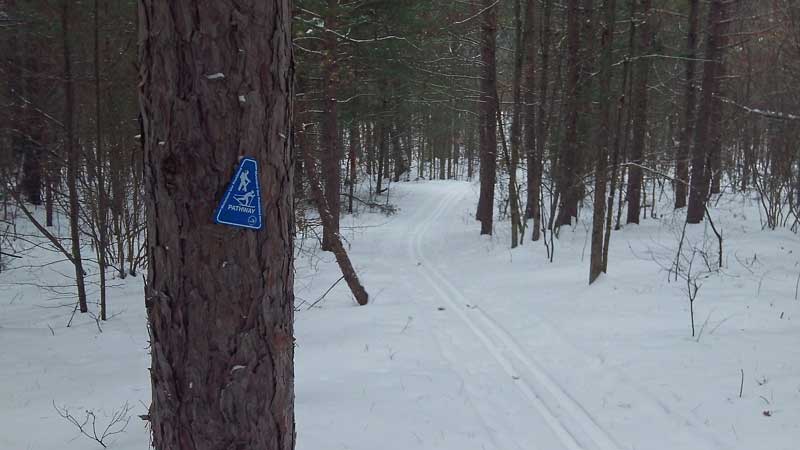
x,y
241,205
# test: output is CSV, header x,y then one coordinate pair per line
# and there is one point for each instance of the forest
x,y
497,224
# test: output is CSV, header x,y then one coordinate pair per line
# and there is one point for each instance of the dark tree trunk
x,y
586,105
456,147
443,150
219,299
639,111
355,143
568,172
715,129
21,85
100,171
532,154
381,156
51,181
698,193
397,154
369,148
488,109
31,182
73,154
622,141
688,118
520,37
450,144
470,154
596,265
329,139
342,259
535,185
748,135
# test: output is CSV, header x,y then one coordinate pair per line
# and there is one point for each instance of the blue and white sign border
x,y
229,192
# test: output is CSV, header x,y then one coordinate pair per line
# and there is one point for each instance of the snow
x,y
467,344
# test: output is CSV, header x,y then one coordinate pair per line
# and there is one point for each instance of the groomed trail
x,y
466,344
488,348
546,415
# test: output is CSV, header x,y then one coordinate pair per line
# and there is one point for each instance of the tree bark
x,y
516,121
397,153
329,139
102,204
381,156
345,265
699,184
73,157
488,108
639,110
536,165
688,118
470,154
567,180
715,129
596,265
219,299
355,143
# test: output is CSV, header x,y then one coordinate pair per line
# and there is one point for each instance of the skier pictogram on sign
x,y
241,205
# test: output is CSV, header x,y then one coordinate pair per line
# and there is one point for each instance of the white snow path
x,y
525,381
465,344
569,423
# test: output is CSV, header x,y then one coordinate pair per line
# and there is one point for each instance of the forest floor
x,y
466,344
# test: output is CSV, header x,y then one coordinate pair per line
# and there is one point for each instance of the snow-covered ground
x,y
467,344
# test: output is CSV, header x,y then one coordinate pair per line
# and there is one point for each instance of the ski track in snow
x,y
570,422
686,429
495,349
574,428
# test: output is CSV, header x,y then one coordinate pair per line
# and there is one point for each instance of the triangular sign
x,y
241,205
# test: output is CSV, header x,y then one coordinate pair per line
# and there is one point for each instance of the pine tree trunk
x,y
639,111
329,139
369,148
51,181
219,299
586,105
102,204
73,154
596,264
355,143
520,37
699,185
488,108
470,155
31,182
536,165
622,141
397,154
567,180
715,129
532,156
381,156
748,135
456,145
24,125
688,118
342,259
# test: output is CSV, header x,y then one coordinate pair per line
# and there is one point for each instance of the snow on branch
x,y
460,22
765,113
